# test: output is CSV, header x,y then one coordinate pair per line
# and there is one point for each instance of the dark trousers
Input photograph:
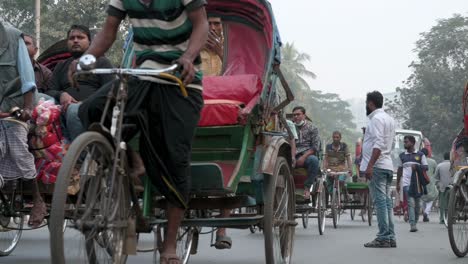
x,y
167,122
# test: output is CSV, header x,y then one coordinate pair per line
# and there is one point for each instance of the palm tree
x,y
293,67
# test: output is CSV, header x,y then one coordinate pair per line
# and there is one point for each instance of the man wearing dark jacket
x,y
410,177
79,39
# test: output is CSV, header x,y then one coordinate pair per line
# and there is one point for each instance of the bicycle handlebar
x,y
88,62
128,71
337,172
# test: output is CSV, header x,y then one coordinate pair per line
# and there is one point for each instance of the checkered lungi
x,y
15,159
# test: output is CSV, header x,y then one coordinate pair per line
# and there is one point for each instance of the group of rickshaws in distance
x,y
241,161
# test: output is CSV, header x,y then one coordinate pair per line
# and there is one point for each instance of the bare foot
x,y
169,258
38,212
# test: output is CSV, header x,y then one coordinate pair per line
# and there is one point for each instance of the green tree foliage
x,y
19,13
432,96
327,110
56,18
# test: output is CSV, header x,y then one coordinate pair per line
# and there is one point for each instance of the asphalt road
x,y
342,245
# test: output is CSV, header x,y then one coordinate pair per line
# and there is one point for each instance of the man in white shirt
x,y
378,167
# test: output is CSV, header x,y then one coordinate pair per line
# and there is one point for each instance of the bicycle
x,y
105,210
457,215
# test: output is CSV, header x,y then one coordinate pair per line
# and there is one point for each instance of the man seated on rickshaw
x,y
17,93
307,147
337,159
212,53
78,41
212,65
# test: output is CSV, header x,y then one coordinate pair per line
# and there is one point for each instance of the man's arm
x,y
399,174
378,129
424,163
315,141
28,84
196,42
437,176
350,164
54,88
375,156
47,78
106,37
424,167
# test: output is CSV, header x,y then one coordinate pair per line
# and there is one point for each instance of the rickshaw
x,y
457,213
16,197
316,205
240,158
349,195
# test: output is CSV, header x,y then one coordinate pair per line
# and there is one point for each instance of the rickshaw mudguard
x,y
458,176
265,161
276,146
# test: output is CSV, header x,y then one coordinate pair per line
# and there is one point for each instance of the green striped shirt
x,y
161,31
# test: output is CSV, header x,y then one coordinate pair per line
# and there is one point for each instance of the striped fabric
x,y
16,160
161,30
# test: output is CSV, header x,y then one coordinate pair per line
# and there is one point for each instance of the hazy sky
x,y
361,45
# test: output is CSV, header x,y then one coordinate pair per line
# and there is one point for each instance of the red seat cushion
x,y
229,98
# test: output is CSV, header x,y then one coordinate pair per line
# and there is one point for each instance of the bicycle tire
x,y
89,186
458,249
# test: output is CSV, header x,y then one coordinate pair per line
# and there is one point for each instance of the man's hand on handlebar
x,y
188,70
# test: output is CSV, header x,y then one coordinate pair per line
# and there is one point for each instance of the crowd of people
x,y
420,180
198,48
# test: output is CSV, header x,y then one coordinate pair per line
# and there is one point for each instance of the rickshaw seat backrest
x,y
229,99
241,88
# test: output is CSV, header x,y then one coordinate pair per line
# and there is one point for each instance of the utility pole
x,y
38,25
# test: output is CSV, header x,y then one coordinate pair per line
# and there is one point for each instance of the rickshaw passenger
x,y
79,39
338,158
212,53
212,65
43,75
17,90
307,147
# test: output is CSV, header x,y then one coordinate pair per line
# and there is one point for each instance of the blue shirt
x,y
25,69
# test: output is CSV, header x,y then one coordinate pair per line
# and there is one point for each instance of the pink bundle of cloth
x,y
46,141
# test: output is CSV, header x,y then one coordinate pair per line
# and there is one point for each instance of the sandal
x,y
168,258
223,242
38,213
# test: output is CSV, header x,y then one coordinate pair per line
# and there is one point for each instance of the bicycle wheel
x,y
11,225
279,223
305,219
458,220
334,207
321,210
98,213
184,243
